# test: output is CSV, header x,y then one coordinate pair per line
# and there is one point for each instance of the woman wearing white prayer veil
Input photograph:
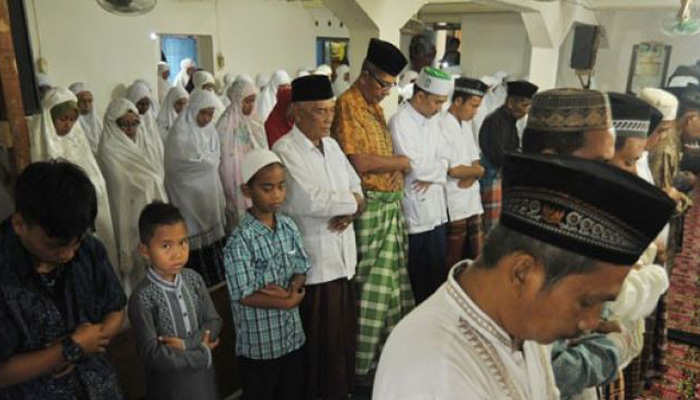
x,y
132,183
89,121
240,131
261,80
139,94
229,78
152,95
163,83
187,69
174,104
268,97
204,80
54,134
342,80
192,157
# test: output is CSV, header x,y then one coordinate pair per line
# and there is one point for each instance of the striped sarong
x,y
491,197
383,288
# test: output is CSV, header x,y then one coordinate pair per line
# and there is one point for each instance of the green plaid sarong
x,y
383,288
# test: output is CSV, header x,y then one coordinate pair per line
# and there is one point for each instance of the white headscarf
x,y
91,124
163,84
182,79
152,95
228,81
261,80
168,115
266,102
202,78
340,85
489,104
132,182
148,128
301,72
243,77
192,156
45,144
238,135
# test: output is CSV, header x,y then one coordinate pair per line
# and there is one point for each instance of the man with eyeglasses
x,y
382,284
60,300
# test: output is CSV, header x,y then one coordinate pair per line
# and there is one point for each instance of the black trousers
x,y
278,379
427,255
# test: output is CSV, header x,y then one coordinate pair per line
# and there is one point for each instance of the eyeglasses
x,y
383,84
127,125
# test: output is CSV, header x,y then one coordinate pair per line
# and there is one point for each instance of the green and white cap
x,y
435,81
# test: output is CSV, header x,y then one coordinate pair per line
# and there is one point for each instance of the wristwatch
x,y
72,351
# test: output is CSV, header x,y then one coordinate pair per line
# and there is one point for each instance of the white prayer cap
x,y
78,87
662,100
302,72
490,81
435,81
257,160
324,70
201,78
683,81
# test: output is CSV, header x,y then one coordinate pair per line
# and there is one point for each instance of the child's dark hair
x,y
257,174
154,215
57,196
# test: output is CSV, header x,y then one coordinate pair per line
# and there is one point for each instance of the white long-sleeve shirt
x,y
448,348
320,186
419,139
459,142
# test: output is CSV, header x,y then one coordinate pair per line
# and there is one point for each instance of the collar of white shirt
x,y
300,138
418,117
482,322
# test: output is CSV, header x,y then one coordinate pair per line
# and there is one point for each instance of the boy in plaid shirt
x,y
266,268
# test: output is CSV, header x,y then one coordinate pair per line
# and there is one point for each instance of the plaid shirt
x,y
256,256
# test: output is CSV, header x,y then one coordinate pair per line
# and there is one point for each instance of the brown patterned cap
x,y
569,110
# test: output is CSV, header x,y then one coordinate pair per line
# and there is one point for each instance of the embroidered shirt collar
x,y
159,281
471,311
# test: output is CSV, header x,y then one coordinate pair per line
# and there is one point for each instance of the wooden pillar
x,y
13,132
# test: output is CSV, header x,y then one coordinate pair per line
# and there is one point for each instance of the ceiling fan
x,y
683,23
128,7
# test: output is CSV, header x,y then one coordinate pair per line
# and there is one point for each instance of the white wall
x,y
83,42
494,42
624,29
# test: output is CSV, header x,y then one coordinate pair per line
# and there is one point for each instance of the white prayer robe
x,y
45,144
420,139
268,98
320,187
459,143
168,115
449,349
192,172
132,183
203,78
91,123
238,134
163,84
